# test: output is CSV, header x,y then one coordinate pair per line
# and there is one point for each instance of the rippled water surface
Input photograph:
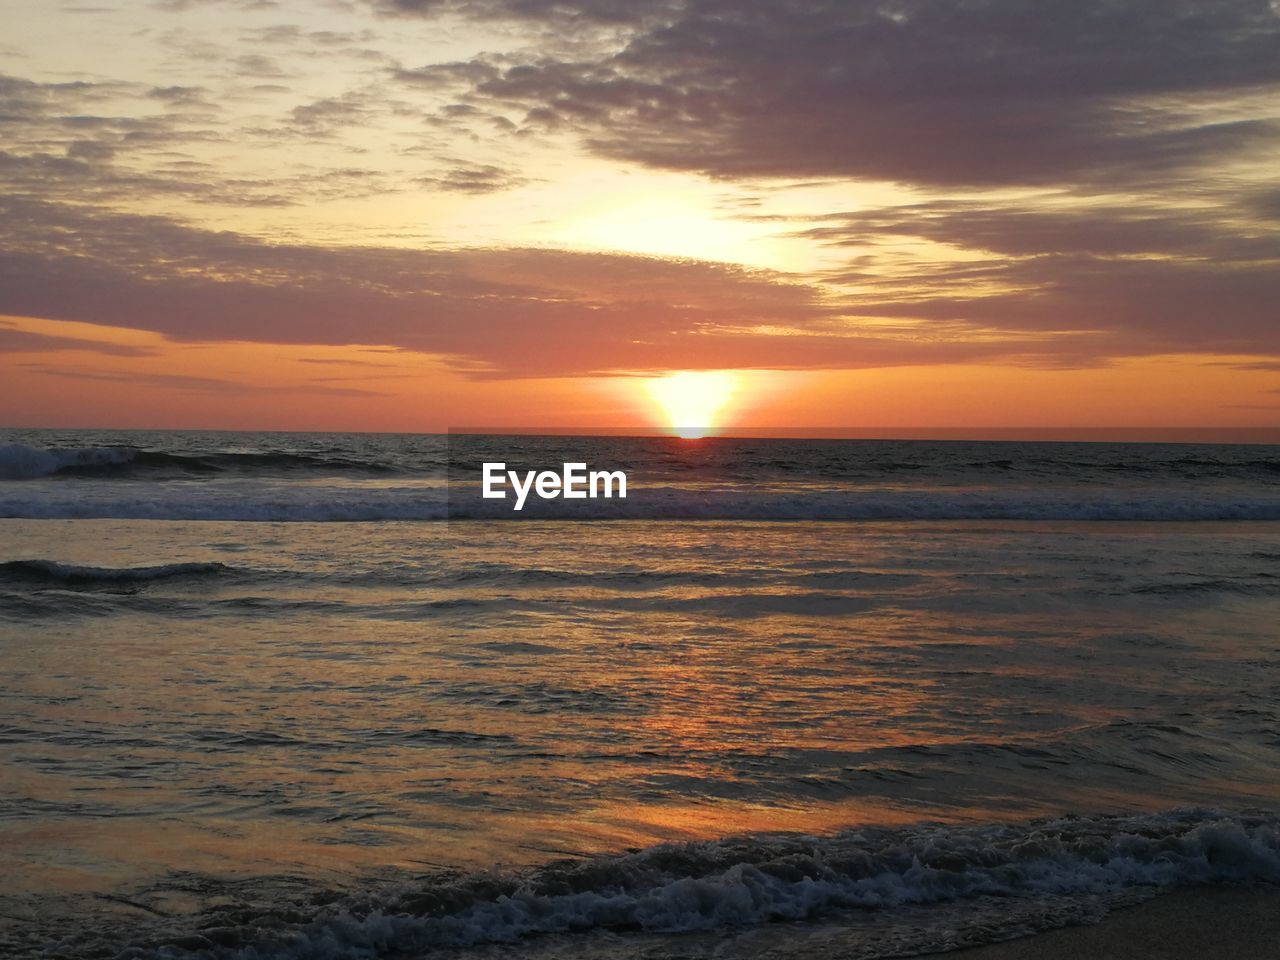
x,y
272,717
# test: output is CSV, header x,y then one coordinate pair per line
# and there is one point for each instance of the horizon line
x,y
1084,434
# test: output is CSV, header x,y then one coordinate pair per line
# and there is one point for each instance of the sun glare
x,y
692,402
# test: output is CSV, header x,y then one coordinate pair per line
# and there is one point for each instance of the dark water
x,y
371,477
917,695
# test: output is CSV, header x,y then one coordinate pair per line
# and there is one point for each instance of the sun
x,y
692,401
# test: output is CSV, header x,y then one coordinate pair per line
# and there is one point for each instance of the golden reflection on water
x,y
481,693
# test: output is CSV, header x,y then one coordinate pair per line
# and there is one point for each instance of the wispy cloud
x,y
198,384
14,340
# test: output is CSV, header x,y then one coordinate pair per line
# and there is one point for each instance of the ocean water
x,y
309,696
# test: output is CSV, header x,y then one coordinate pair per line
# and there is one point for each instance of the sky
x,y
828,214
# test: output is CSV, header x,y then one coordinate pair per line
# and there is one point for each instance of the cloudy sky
x,y
415,214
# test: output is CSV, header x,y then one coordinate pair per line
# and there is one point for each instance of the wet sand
x,y
1212,923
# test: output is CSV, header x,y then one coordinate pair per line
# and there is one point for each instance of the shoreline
x,y
1201,923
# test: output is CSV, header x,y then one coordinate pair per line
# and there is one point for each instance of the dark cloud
x,y
984,92
174,381
23,100
329,115
1062,226
90,150
345,362
443,75
1153,279
475,179
329,45
13,340
544,312
367,377
1124,114
58,147
1264,204
504,313
1143,305
608,12
60,141
291,34
87,171
182,96
181,6
257,67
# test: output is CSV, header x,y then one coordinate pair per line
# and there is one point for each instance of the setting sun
x,y
692,401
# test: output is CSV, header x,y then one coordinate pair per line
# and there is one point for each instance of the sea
x,y
305,696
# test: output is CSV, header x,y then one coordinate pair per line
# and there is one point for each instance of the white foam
x,y
721,884
1039,863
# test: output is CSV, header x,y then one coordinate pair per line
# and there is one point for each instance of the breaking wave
x,y
1028,877
53,573
21,462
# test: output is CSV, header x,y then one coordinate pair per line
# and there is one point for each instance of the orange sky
x,y
407,216
243,386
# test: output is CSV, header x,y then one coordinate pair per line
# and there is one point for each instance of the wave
x,y
321,502
1096,468
51,572
744,503
1022,877
246,501
724,460
21,462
